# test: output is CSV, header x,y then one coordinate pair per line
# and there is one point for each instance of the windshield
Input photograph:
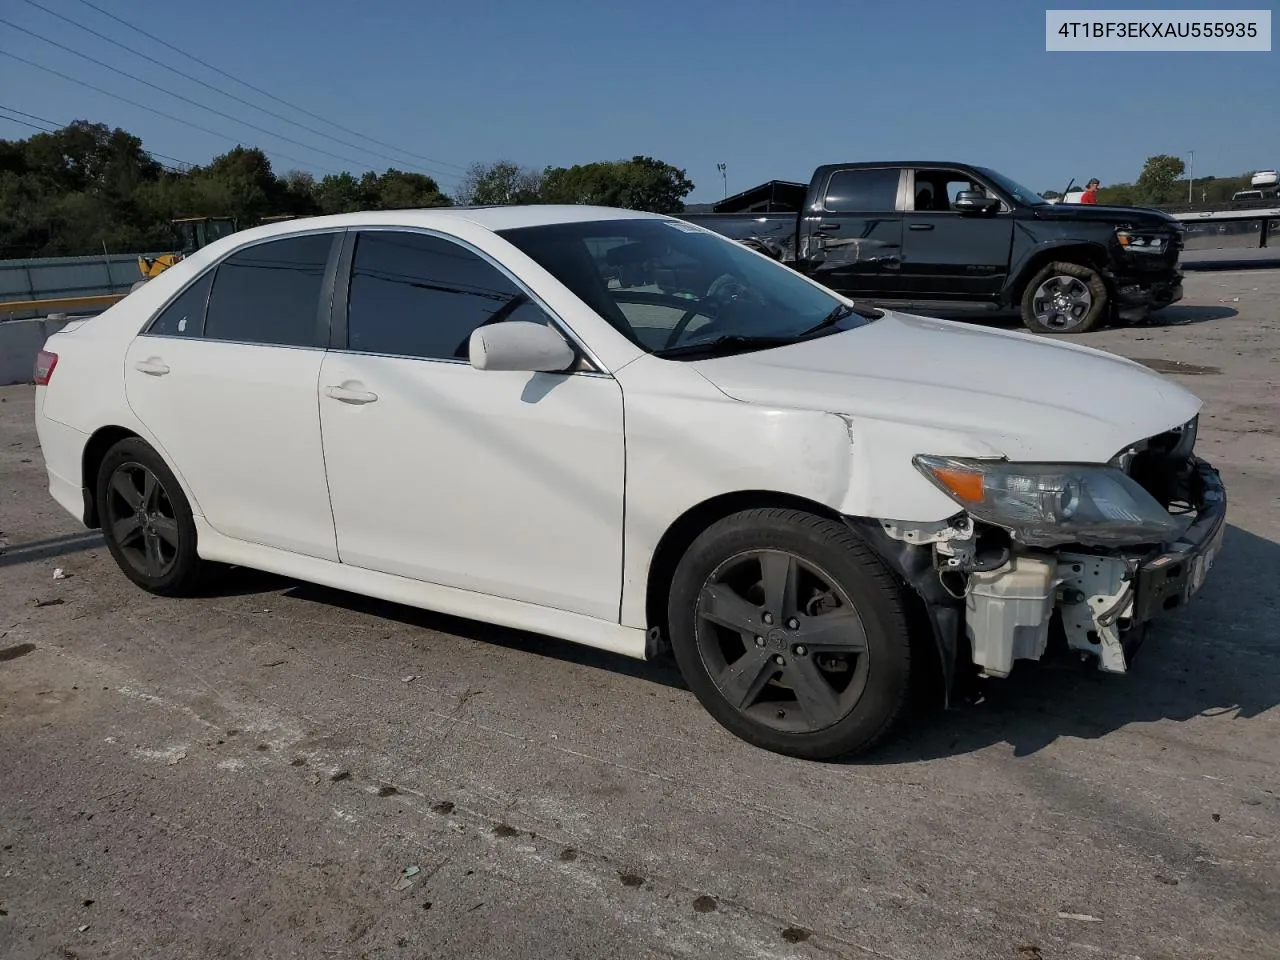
x,y
681,291
1024,195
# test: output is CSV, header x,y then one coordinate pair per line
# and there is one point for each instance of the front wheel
x,y
1065,298
791,633
147,521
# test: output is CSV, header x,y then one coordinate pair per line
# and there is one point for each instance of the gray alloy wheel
x,y
782,642
141,520
1062,303
1065,298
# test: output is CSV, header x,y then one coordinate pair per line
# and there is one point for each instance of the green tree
x,y
1158,182
398,190
641,183
503,182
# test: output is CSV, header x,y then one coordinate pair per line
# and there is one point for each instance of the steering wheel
x,y
682,324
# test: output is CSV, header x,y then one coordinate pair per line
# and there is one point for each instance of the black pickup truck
x,y
950,236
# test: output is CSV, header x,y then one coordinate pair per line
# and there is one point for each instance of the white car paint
x,y
537,501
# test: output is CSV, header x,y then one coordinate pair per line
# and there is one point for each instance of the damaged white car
x,y
628,432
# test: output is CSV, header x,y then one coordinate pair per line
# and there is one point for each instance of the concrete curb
x,y
20,341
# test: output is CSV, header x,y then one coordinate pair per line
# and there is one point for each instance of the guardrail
x,y
63,279
1231,229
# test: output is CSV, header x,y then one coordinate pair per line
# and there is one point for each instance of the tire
x,y
761,676
138,516
1065,298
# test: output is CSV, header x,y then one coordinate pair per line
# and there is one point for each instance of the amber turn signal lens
x,y
963,484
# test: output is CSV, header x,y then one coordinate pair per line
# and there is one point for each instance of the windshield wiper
x,y
725,344
841,311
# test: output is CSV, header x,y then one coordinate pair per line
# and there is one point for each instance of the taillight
x,y
45,362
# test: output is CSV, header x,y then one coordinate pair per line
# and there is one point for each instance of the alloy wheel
x,y
1062,302
141,520
782,641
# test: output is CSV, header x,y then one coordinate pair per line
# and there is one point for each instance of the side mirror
x,y
974,201
520,345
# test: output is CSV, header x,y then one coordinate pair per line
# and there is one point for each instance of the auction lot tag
x,y
1159,31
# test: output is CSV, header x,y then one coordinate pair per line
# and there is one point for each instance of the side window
x,y
936,190
270,293
184,316
858,191
416,295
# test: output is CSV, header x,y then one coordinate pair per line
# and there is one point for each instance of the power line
x,y
178,96
232,96
24,123
151,109
54,126
259,90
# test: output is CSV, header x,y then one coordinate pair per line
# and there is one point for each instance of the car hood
x,y
1136,216
1008,393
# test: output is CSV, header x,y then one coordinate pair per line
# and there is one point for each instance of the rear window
x,y
857,191
184,316
270,293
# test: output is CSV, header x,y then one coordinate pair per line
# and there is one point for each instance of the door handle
x,y
921,226
153,366
828,227
347,395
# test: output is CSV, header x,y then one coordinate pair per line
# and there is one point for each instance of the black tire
x,y
1081,286
870,704
161,518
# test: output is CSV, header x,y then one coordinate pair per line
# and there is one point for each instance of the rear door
x,y
225,381
947,255
853,243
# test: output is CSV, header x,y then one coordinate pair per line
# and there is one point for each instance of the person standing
x,y
1090,194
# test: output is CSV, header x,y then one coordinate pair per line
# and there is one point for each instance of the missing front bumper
x,y
1104,601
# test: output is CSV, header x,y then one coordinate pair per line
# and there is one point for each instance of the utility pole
x,y
725,177
1191,173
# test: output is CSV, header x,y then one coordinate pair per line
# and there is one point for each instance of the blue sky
x,y
694,83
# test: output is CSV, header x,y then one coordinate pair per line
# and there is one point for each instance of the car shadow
x,y
1215,657
662,671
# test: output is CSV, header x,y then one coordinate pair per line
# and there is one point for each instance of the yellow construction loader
x,y
192,234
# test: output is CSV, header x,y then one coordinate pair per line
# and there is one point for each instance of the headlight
x,y
1141,242
1044,504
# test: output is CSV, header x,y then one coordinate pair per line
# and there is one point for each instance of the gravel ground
x,y
285,771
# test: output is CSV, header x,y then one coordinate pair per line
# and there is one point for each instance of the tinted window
x,y
270,293
936,190
875,191
184,317
415,295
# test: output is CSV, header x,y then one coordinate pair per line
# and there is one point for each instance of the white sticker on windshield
x,y
684,227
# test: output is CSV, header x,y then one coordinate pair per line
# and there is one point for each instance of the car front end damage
x,y
1082,556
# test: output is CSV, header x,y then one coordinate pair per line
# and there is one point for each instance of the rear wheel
x,y
791,633
146,520
1065,298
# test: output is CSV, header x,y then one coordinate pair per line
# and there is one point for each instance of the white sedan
x,y
623,430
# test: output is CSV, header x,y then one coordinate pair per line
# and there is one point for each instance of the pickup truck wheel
x,y
791,633
1065,298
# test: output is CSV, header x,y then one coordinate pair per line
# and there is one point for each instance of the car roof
x,y
487,217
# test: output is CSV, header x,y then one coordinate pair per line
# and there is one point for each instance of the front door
x,y
947,255
225,381
854,243
499,482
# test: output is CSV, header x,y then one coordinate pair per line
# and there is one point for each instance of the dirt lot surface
x,y
284,771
